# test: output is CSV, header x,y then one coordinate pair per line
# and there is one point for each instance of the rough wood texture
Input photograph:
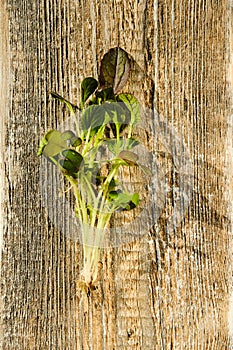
x,y
168,289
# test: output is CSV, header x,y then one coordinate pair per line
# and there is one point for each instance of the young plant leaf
x,y
129,157
131,142
105,95
113,195
133,203
93,117
75,141
114,145
71,107
114,113
124,201
114,69
88,87
71,161
67,135
132,104
135,199
70,136
42,144
52,144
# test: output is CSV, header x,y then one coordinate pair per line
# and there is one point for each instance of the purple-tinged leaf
x,y
114,69
129,157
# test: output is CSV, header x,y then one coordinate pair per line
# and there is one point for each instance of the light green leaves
x,y
114,69
55,143
70,136
133,106
43,143
124,201
116,146
51,144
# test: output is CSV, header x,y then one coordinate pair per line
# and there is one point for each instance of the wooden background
x,y
163,290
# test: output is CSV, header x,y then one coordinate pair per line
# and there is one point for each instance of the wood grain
x,y
169,287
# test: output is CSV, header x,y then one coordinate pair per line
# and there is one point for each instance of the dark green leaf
x,y
112,185
68,166
133,106
71,161
93,117
114,113
105,95
73,156
114,69
75,141
58,97
113,195
88,87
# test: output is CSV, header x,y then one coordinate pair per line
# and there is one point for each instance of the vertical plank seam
x,y
229,158
4,70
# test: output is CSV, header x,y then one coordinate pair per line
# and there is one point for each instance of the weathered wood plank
x,y
168,288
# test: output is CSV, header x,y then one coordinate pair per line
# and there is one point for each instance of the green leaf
x,y
112,185
75,141
52,144
129,157
105,95
67,135
132,104
71,107
131,142
124,201
116,116
146,170
113,195
114,113
135,199
114,145
114,69
43,143
88,87
93,117
71,161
